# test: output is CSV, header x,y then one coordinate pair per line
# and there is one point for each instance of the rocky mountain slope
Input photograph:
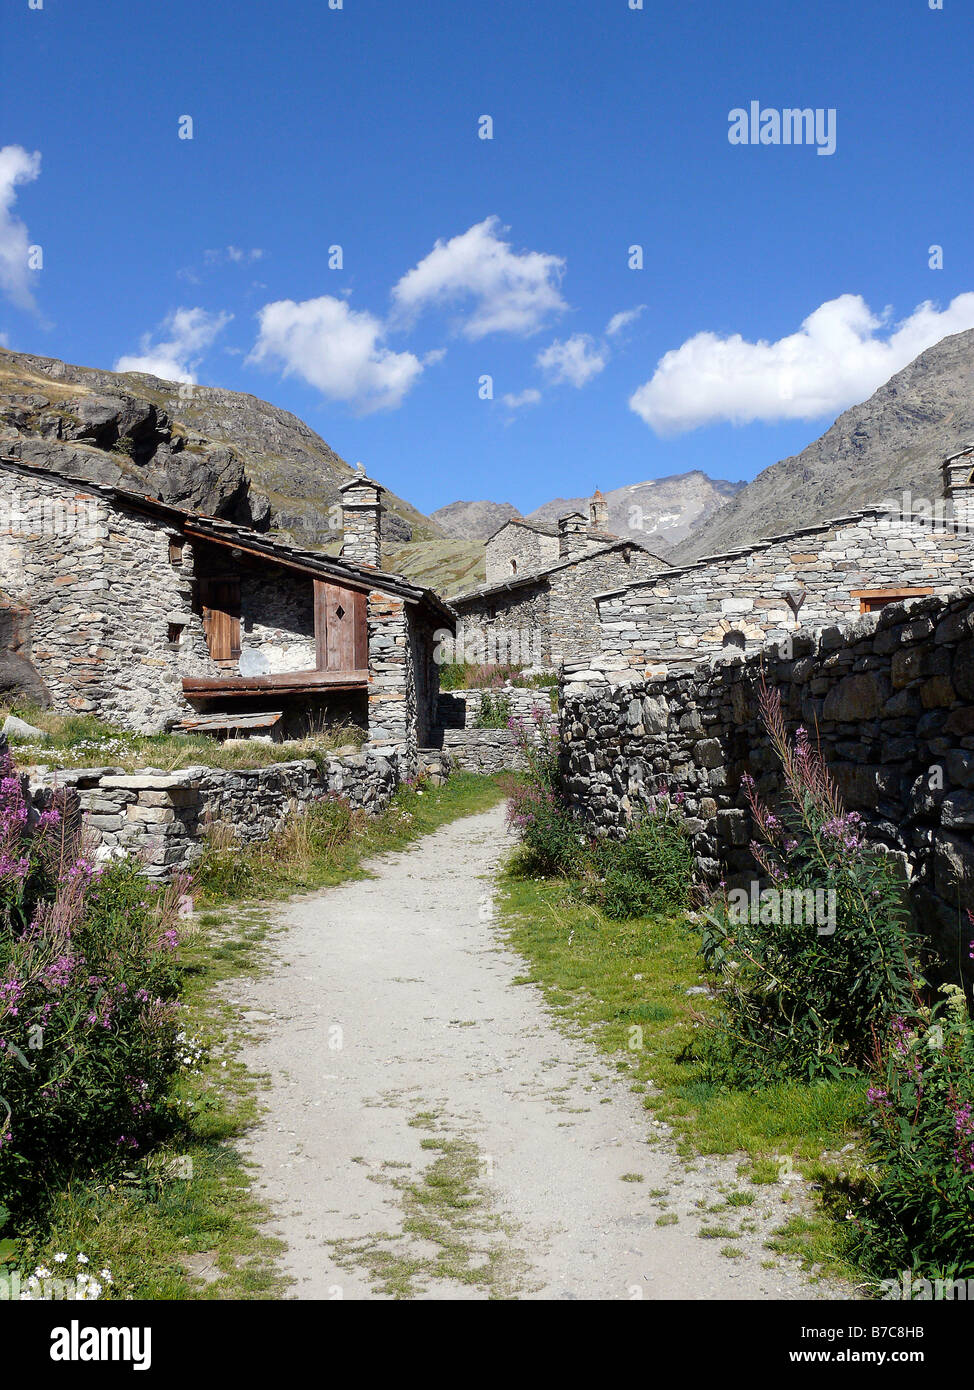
x,y
473,521
893,442
222,452
661,513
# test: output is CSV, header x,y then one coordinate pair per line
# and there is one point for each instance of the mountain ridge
x,y
660,512
892,442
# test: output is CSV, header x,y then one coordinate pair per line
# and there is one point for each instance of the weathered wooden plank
x,y
206,723
285,680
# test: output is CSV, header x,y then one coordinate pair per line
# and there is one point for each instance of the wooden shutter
x,y
221,617
341,628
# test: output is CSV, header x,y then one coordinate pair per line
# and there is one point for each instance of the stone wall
x,y
163,817
691,613
277,629
486,750
505,625
891,698
98,636
527,548
460,709
392,678
482,750
573,616
556,611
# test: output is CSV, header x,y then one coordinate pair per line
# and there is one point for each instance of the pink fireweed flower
x,y
13,870
58,974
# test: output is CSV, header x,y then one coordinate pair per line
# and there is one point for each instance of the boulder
x,y
19,728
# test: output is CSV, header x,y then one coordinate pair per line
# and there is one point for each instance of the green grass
x,y
449,1230
166,1236
625,984
81,740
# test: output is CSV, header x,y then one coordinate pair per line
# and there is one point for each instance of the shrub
x,y
918,1209
553,844
798,1000
652,868
495,712
89,976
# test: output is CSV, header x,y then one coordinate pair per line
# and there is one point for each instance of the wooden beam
x,y
334,576
286,682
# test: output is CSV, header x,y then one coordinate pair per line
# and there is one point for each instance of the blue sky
x,y
508,258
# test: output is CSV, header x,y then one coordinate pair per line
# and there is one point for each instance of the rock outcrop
x,y
222,452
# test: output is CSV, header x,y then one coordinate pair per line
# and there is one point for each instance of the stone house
x,y
537,607
521,547
153,617
814,577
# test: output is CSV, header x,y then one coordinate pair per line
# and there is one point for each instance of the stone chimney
x,y
362,519
572,535
598,510
959,485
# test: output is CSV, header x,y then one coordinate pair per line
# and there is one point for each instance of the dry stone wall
x,y
163,817
516,550
891,699
692,613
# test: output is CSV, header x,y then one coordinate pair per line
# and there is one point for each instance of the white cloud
x,y
16,167
514,292
622,320
336,349
839,356
522,398
234,254
575,360
191,332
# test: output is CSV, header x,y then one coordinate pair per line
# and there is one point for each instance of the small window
x,y
872,600
736,639
176,552
513,567
175,633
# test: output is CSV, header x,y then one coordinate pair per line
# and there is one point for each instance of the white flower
x,y
82,1259
60,1257
42,1273
106,1274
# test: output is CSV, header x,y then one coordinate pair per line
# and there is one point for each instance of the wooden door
x,y
341,628
220,599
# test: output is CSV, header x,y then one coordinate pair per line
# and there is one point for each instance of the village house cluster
x,y
153,617
580,589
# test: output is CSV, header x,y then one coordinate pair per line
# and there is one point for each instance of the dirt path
x,y
406,1066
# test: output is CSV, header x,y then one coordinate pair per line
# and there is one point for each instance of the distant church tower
x,y
598,511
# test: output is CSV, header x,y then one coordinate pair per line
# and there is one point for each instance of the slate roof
x,y
520,581
703,561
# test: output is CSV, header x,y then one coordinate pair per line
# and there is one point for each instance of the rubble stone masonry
x,y
890,698
809,578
